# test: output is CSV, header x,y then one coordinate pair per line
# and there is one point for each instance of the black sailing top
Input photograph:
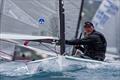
x,y
94,45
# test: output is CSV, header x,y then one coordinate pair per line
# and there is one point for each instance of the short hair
x,y
88,24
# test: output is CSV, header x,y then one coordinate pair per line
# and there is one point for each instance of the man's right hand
x,y
77,46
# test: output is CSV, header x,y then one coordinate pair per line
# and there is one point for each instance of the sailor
x,y
93,43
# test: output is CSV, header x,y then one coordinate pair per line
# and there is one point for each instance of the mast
x,y
62,27
78,25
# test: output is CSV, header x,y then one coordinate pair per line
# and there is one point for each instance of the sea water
x,y
71,70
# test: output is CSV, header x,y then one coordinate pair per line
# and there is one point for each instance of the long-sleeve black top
x,y
94,44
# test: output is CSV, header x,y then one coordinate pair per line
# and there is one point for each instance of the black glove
x,y
77,46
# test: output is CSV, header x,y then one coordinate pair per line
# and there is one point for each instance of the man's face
x,y
88,30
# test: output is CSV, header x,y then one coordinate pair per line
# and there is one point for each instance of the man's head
x,y
88,27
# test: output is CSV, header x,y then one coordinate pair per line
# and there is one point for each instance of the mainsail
x,y
26,16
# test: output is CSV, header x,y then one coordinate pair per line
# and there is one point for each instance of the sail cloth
x,y
72,8
28,14
107,10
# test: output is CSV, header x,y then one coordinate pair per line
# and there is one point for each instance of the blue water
x,y
74,72
83,74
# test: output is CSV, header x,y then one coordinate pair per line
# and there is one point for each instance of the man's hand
x,y
80,48
77,46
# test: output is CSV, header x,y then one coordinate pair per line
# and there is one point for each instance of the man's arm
x,y
72,42
83,41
